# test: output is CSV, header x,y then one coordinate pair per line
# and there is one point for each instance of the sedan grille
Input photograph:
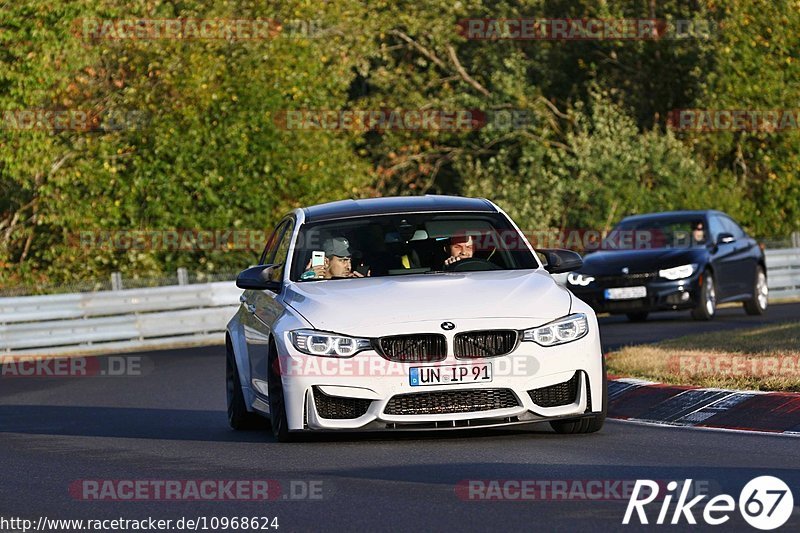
x,y
446,402
556,395
477,344
419,348
627,280
339,408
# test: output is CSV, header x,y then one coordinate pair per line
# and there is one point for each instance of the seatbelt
x,y
405,261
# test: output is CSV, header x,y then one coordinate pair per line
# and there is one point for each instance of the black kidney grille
x,y
339,408
446,402
556,395
477,344
418,348
626,280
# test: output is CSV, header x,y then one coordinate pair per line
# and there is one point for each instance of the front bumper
x,y
367,392
662,295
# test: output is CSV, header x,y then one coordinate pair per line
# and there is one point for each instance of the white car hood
x,y
368,305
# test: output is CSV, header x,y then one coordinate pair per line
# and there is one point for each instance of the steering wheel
x,y
471,264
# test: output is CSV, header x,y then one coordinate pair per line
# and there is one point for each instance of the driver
x,y
459,247
338,261
698,233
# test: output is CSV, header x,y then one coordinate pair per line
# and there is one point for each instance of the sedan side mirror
x,y
560,261
258,278
725,238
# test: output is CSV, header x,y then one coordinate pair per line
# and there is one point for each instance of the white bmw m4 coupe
x,y
410,313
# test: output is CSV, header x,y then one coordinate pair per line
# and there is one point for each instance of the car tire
x,y
239,418
277,403
758,304
706,308
637,317
588,424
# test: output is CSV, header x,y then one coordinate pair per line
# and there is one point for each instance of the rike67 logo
x,y
765,502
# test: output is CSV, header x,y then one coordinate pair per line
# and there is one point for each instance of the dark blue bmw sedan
x,y
671,261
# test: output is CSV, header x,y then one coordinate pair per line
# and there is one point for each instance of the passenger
x,y
459,247
338,262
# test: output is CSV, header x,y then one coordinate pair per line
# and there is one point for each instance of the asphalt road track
x,y
617,331
169,424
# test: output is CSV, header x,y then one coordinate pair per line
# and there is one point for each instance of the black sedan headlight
x,y
678,272
582,280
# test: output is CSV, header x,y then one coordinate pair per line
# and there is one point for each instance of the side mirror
x,y
258,278
560,261
725,238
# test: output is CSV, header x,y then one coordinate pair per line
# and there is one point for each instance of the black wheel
x,y
277,405
758,304
589,424
239,417
706,308
638,316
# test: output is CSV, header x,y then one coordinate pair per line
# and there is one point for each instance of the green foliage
x,y
204,151
757,66
206,148
616,170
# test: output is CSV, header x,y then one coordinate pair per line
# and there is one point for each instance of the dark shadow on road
x,y
121,422
196,425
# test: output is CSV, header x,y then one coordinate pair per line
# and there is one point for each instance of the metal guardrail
x,y
783,273
113,320
162,316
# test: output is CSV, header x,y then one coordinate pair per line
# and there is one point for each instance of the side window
x,y
282,251
715,227
272,244
733,228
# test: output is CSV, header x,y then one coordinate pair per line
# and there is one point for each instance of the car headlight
x,y
678,272
328,344
567,329
573,278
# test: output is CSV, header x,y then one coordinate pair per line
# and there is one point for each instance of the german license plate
x,y
449,375
626,293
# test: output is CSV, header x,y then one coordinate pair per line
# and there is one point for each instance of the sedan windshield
x,y
660,232
402,244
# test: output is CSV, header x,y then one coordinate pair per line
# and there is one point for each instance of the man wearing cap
x,y
337,261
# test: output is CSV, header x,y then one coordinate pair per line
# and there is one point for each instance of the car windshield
x,y
402,244
658,232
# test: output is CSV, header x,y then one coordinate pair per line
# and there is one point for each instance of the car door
x,y
744,259
264,307
722,258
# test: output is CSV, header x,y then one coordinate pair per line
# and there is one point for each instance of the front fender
x,y
235,341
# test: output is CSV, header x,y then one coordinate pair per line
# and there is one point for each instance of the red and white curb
x,y
677,405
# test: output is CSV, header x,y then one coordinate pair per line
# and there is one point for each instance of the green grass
x,y
762,358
